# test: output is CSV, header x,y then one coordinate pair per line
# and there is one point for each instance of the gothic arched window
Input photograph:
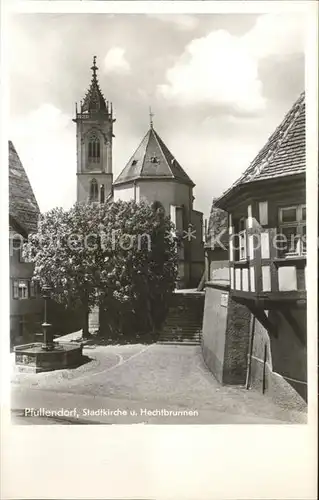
x,y
94,149
94,191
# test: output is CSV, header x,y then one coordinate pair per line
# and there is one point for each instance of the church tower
x,y
94,136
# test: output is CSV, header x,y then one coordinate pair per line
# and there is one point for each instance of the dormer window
x,y
154,159
292,227
94,149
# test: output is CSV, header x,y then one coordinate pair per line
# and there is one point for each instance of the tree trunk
x,y
85,328
149,315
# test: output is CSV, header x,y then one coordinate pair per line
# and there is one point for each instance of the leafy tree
x,y
119,255
62,260
142,276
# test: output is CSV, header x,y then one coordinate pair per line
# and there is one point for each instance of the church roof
x,y
284,153
23,207
153,160
94,99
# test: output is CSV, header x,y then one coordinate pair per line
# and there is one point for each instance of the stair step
x,y
183,319
182,325
181,332
190,335
171,342
186,337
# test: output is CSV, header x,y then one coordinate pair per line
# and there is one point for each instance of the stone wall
x,y
214,329
225,337
278,363
237,342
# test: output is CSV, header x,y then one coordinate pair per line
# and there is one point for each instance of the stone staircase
x,y
183,324
94,321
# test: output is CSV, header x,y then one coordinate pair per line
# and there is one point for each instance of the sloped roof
x,y
152,159
94,99
217,230
23,207
284,153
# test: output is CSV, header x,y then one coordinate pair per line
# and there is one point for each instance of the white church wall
x,y
125,192
167,192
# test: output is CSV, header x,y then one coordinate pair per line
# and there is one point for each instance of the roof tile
x,y
23,207
285,151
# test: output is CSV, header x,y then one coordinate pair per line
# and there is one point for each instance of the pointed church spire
x,y
94,68
151,117
94,100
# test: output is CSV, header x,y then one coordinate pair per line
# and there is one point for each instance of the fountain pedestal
x,y
48,344
37,358
49,355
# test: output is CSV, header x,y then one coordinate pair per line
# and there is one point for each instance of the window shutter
x,y
15,289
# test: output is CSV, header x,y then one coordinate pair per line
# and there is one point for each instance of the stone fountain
x,y
47,355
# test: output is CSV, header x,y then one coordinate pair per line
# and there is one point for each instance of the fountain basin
x,y
32,358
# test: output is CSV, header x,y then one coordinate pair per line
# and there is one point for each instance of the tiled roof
x,y
217,230
152,159
285,151
23,207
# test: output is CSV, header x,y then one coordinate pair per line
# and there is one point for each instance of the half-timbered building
x,y
268,260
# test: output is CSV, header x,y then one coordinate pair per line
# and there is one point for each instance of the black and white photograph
x,y
157,212
159,250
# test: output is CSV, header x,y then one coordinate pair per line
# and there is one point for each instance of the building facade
x,y
26,305
266,290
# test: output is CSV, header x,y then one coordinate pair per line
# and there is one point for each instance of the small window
x,y
94,191
17,243
33,289
289,244
134,162
102,193
288,215
304,240
242,246
292,226
242,239
304,213
20,289
16,247
242,224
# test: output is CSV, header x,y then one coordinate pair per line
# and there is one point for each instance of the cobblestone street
x,y
157,384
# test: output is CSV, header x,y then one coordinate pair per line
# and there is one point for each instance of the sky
x,y
218,86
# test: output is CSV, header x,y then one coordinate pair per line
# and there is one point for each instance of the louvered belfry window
x,y
94,152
